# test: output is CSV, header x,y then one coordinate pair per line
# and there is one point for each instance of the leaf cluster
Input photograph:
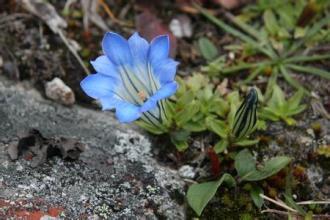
x,y
280,108
277,42
200,194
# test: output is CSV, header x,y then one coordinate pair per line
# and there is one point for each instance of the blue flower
x,y
133,77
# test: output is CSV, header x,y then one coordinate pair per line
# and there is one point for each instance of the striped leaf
x,y
246,116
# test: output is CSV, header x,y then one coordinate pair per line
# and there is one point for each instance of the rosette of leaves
x,y
279,108
193,103
275,46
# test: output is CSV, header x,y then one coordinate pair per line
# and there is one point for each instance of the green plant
x,y
195,101
275,60
278,108
200,194
235,127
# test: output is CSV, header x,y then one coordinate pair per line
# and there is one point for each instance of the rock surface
x,y
115,178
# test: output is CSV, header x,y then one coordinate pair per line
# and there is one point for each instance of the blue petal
x,y
109,102
116,48
103,65
164,92
127,112
139,48
165,70
98,85
159,48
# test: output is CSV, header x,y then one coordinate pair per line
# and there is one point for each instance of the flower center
x,y
142,95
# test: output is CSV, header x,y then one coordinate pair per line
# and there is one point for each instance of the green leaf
x,y
150,128
244,163
193,126
246,168
207,49
187,113
197,81
219,106
295,100
217,126
270,22
289,121
180,145
270,168
221,146
254,74
234,31
268,113
271,83
294,83
255,195
310,58
185,99
309,69
246,142
179,139
199,195
310,33
277,100
289,200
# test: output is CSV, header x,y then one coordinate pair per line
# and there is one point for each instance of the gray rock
x,y
116,177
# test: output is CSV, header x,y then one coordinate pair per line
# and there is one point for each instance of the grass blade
x,y
315,29
310,69
243,66
294,83
254,74
307,58
233,31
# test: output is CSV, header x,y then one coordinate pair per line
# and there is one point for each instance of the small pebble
x,y
181,26
187,171
58,91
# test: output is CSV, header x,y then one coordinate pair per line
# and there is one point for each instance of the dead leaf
x,y
231,4
150,26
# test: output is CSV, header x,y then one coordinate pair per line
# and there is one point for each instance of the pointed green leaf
x,y
255,195
246,142
309,69
217,126
270,168
270,22
187,113
207,49
199,195
244,163
221,146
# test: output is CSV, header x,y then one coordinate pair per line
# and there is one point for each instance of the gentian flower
x,y
133,77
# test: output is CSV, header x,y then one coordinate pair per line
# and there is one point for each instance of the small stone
x,y
231,55
58,91
13,150
47,217
305,140
19,167
181,26
311,132
187,171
